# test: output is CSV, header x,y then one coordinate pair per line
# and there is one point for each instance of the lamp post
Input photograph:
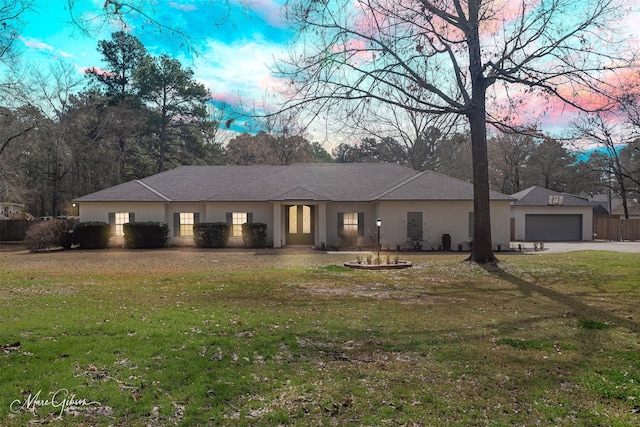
x,y
379,223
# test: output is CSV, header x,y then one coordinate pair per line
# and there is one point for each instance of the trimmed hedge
x,y
50,234
91,235
146,235
254,234
211,234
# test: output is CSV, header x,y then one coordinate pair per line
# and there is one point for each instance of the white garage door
x,y
548,228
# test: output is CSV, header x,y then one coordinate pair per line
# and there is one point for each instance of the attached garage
x,y
548,228
543,215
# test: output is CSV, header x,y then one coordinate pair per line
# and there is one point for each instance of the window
x,y
293,219
121,218
414,225
350,224
238,218
183,223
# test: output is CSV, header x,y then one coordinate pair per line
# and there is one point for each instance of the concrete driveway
x,y
595,245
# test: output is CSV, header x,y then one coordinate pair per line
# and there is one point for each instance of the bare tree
x,y
508,153
419,135
89,17
287,138
351,53
611,136
11,12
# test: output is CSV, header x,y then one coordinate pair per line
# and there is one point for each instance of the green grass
x,y
185,337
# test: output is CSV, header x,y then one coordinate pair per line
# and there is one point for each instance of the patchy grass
x,y
186,337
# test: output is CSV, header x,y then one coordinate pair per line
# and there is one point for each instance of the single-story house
x,y
540,214
633,208
335,204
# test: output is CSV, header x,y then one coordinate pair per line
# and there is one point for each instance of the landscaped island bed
x,y
206,337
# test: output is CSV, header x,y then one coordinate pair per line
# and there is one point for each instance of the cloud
x,y
238,73
270,11
36,44
182,7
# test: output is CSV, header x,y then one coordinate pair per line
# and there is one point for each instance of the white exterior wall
x,y
145,211
370,216
440,217
163,212
172,208
519,213
262,212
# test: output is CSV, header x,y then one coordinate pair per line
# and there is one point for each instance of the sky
x,y
232,49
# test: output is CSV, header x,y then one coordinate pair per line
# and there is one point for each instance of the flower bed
x,y
391,266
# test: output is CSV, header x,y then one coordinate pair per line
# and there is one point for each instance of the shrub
x,y
211,234
91,235
254,234
145,235
50,234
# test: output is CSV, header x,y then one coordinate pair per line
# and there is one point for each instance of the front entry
x,y
299,225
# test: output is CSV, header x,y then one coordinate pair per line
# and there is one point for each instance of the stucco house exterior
x,y
545,215
332,204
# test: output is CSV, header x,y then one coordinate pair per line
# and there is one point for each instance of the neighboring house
x,y
545,215
606,203
633,208
14,211
335,204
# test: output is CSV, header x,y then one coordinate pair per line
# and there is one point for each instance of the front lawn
x,y
188,337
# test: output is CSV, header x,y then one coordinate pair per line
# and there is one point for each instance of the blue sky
x,y
232,47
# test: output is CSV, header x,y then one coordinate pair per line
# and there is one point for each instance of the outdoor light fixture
x,y
378,223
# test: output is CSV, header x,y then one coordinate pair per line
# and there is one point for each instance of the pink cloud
x,y
36,44
269,10
226,97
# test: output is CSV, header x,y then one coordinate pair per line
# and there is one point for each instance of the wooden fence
x,y
13,231
612,227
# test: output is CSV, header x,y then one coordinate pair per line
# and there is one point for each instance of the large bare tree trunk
x,y
482,250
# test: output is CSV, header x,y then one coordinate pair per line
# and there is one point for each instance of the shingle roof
x,y
539,196
302,181
432,185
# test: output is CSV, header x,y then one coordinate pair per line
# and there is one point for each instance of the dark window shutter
x,y
361,224
176,224
132,217
112,222
250,217
196,217
230,218
471,225
340,224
